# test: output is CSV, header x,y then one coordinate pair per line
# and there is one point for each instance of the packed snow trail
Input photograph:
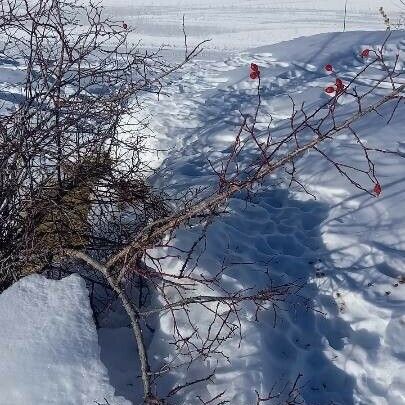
x,y
347,247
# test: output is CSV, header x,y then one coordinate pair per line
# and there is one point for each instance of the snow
x,y
237,25
347,247
49,349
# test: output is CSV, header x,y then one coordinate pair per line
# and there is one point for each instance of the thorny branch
x,y
74,180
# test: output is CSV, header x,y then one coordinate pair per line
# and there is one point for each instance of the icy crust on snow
x,y
347,247
49,352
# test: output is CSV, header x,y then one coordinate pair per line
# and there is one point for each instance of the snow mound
x,y
49,352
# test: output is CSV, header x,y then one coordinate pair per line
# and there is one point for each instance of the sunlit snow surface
x,y
348,247
351,353
240,24
49,352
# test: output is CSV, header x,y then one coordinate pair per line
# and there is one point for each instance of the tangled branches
x,y
74,179
254,156
71,144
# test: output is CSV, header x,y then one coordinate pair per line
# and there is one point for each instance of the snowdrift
x,y
49,353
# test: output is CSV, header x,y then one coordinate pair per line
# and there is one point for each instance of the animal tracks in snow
x,y
327,245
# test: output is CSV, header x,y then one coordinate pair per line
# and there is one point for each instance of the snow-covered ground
x,y
347,247
240,24
49,352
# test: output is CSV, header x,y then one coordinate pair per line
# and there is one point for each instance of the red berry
x,y
365,53
339,86
254,75
377,189
254,67
329,68
329,90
